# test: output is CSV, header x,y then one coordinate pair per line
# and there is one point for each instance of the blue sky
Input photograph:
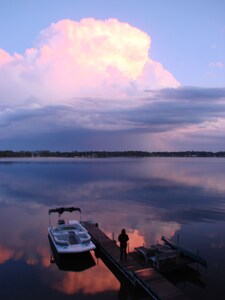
x,y
159,88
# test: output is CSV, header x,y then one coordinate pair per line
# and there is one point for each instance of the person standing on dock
x,y
123,239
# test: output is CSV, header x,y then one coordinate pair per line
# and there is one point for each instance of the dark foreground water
x,y
150,197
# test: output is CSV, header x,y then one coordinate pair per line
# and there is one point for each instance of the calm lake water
x,y
150,197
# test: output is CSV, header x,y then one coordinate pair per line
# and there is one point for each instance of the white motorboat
x,y
69,237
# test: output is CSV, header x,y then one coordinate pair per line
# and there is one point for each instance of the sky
x,y
112,75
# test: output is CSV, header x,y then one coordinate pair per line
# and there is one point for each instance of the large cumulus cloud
x,y
87,58
93,85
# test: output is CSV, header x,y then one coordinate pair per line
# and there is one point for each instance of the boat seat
x,y
62,236
61,222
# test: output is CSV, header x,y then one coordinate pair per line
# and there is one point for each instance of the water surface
x,y
150,197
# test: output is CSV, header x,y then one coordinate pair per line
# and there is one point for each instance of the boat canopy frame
x,y
61,210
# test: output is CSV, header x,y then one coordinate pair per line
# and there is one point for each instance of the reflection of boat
x,y
69,237
74,263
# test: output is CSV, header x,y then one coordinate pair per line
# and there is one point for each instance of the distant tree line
x,y
105,154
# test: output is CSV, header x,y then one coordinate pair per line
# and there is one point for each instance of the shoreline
x,y
107,154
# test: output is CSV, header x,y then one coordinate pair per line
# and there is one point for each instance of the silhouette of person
x,y
123,239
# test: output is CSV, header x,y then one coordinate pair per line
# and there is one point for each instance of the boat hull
x,y
70,249
74,262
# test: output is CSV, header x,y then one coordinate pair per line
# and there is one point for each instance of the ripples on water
x,y
150,197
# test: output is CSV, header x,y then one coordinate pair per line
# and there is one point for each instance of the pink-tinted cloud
x,y
5,254
5,58
97,76
87,58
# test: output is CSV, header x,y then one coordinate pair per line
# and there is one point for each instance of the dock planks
x,y
147,278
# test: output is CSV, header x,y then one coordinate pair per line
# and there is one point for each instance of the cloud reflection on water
x,y
89,282
32,247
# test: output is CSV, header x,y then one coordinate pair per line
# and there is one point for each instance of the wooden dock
x,y
141,277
